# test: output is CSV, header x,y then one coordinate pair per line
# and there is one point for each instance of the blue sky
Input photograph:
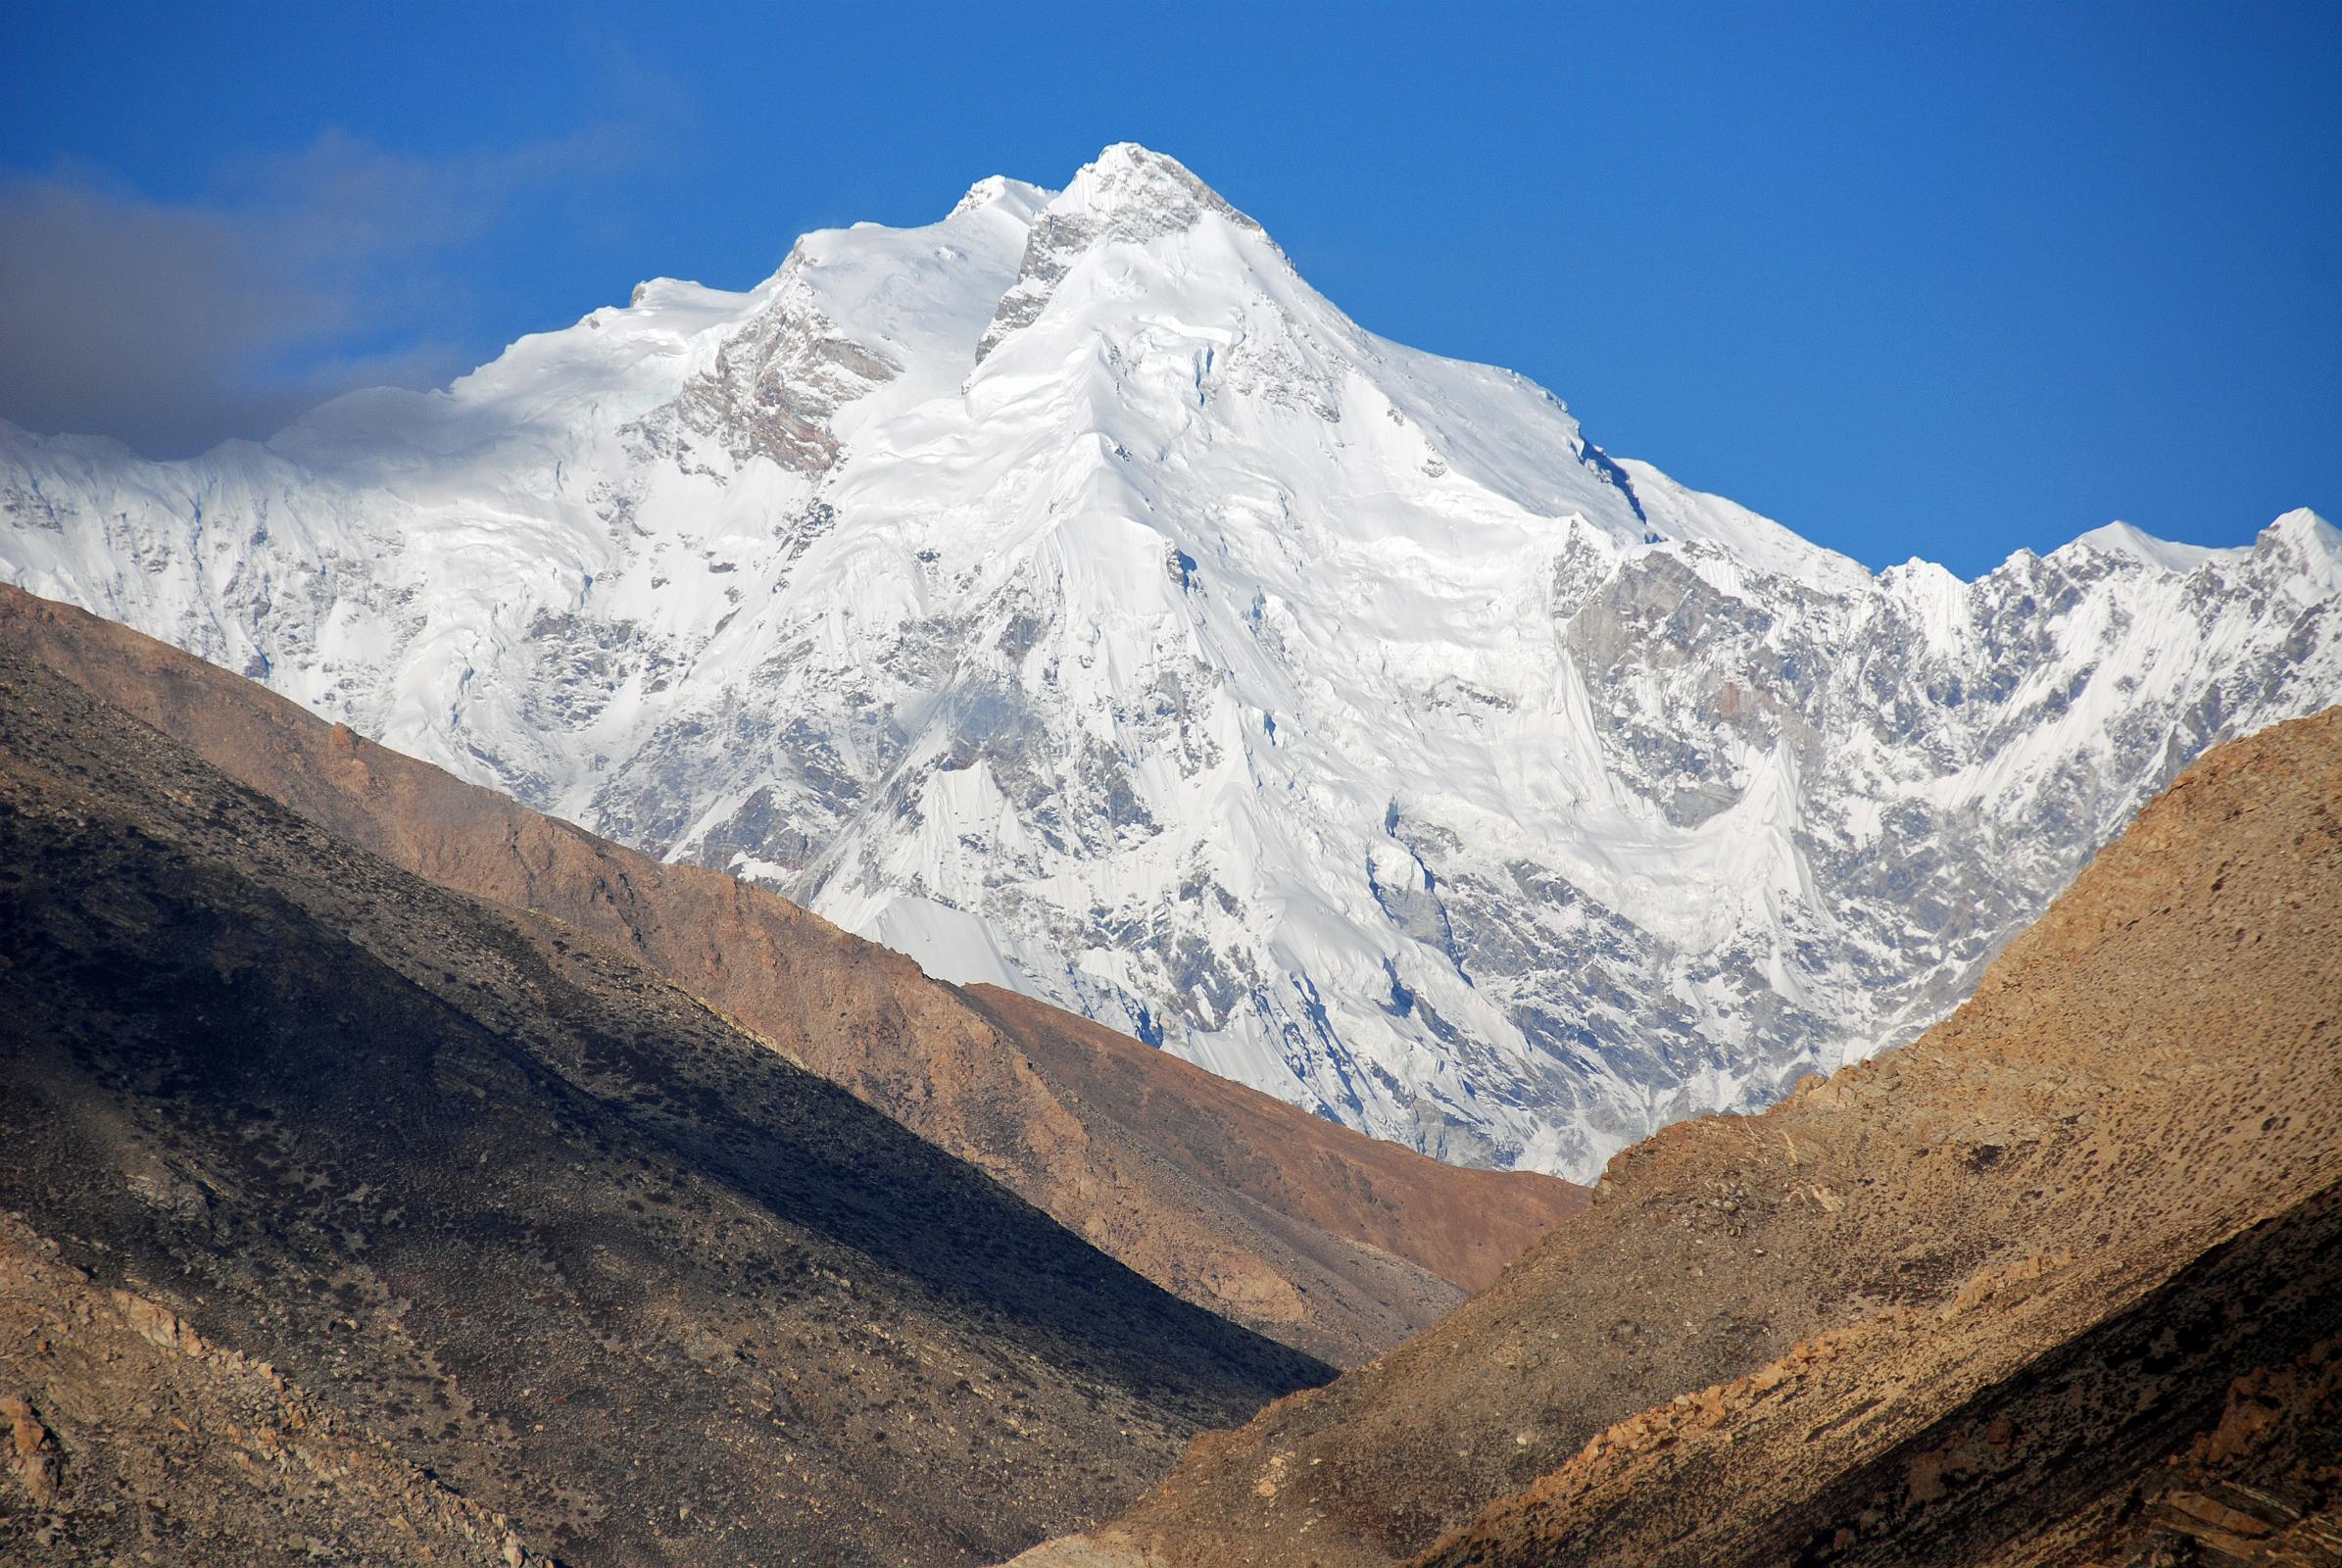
x,y
1938,281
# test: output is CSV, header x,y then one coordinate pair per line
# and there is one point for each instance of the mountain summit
x,y
1069,595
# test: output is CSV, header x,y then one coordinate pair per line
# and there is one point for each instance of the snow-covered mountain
x,y
1068,594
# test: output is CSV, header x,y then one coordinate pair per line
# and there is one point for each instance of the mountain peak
x,y
2311,543
997,189
2305,526
2121,539
1127,194
1133,192
1349,646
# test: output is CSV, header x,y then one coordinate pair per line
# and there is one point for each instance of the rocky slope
x,y
1314,1235
2059,1283
142,1435
1067,594
518,1227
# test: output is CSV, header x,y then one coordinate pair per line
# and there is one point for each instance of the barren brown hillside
x,y
1314,1235
517,1226
2059,1283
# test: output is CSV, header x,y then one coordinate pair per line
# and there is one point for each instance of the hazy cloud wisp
x,y
171,325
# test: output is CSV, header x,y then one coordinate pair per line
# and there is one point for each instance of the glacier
x,y
1067,594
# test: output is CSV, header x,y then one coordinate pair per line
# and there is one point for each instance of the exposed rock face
x,y
774,388
2059,1281
32,1458
1329,1241
571,1244
1065,593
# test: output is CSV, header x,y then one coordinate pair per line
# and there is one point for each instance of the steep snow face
x,y
1068,594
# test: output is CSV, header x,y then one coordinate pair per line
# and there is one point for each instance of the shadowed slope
x,y
2022,1418
1329,1241
573,1246
2038,1242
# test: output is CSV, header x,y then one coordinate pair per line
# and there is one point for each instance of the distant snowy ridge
x,y
1068,594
